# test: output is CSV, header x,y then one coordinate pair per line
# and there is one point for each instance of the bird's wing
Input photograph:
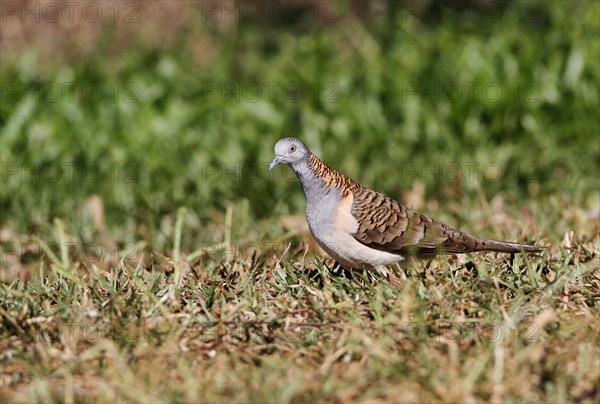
x,y
384,224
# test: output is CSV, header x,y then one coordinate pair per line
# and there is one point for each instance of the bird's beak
x,y
275,161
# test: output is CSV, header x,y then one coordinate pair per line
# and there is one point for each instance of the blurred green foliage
x,y
375,98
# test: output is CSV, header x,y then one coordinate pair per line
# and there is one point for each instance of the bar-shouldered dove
x,y
363,229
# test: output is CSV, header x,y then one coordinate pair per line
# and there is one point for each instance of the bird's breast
x,y
332,224
321,211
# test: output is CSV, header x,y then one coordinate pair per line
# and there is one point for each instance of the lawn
x,y
148,255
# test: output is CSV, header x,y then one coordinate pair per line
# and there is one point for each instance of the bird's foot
x,y
336,269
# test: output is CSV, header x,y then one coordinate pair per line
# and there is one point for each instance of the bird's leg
x,y
336,269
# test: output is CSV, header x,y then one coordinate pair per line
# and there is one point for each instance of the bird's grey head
x,y
291,151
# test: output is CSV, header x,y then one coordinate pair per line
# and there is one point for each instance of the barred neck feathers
x,y
331,178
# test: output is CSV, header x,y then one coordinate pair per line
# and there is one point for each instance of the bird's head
x,y
289,150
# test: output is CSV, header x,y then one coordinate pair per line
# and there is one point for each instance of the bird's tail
x,y
466,243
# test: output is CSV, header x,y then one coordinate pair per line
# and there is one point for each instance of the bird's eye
x,y
292,149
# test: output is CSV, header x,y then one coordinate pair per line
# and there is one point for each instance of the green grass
x,y
166,264
270,328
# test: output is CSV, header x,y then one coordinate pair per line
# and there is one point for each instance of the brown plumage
x,y
362,228
331,177
386,225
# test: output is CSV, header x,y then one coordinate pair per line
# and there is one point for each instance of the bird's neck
x,y
308,177
314,173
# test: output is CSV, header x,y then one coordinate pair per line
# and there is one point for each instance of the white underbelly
x,y
349,252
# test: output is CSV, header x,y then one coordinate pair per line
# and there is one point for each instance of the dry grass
x,y
127,298
278,327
